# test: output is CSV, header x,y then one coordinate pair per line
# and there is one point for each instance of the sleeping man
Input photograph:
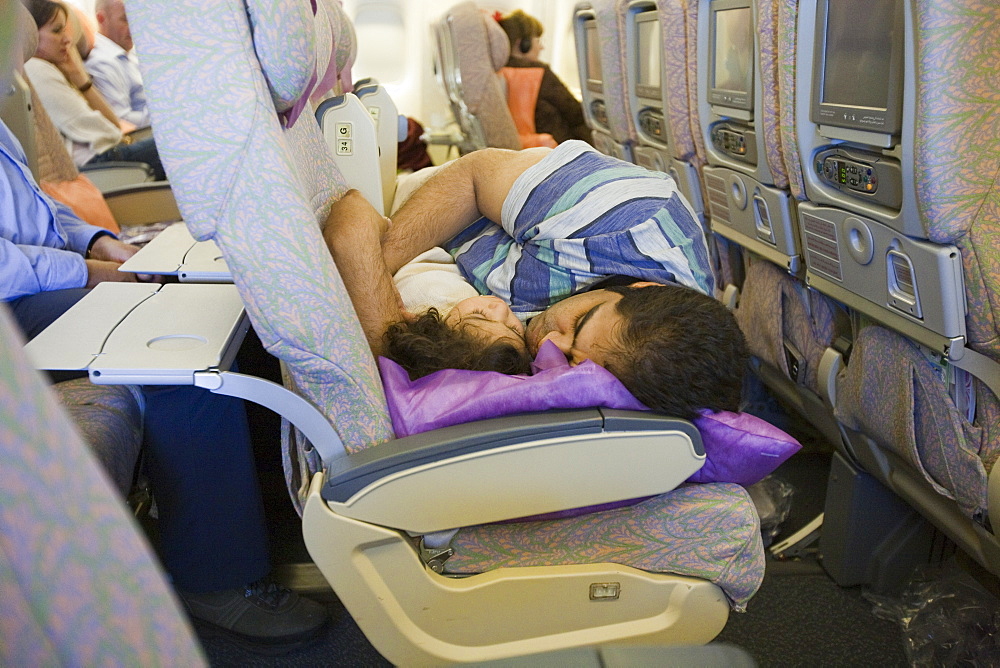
x,y
601,257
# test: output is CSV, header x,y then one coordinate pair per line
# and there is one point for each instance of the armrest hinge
x,y
435,557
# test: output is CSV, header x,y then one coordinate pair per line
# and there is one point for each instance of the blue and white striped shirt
x,y
576,218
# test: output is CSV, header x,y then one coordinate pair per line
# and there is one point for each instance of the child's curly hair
x,y
428,344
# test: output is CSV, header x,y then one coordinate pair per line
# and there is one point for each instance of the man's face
x,y
583,326
113,24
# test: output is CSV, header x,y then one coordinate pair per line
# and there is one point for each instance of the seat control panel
x,y
653,124
861,174
736,141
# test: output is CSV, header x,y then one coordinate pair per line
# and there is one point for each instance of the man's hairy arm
x,y
474,185
353,233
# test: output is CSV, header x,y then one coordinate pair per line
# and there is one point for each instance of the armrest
x,y
512,467
350,133
109,175
389,131
142,203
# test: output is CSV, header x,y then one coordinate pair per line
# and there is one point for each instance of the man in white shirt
x,y
113,66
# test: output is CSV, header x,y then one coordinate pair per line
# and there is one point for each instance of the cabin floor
x,y
799,617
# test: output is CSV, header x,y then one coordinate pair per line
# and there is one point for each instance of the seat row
x,y
843,157
260,189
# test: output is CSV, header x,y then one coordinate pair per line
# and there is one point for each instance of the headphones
x,y
524,46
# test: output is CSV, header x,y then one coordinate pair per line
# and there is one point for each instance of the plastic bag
x,y
772,497
946,617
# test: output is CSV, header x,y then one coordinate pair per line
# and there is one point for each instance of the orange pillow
x,y
85,199
523,84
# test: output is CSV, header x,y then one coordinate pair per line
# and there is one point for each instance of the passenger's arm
x,y
475,185
109,249
76,74
26,270
72,112
353,233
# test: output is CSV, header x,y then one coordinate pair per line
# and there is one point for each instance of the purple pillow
x,y
739,447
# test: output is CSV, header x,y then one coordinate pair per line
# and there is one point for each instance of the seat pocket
x,y
893,394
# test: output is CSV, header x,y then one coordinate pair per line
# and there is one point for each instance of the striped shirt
x,y
576,218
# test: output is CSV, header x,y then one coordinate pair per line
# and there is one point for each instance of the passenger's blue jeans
x,y
201,468
143,150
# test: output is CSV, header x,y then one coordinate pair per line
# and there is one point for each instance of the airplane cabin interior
x,y
838,160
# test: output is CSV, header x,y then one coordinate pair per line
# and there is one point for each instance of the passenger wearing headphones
x,y
556,111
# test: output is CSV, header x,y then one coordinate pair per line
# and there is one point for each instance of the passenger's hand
x,y
102,271
72,67
111,250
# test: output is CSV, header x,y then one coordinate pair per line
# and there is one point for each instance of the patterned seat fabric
x,y
80,585
957,163
673,36
770,115
611,34
776,308
708,531
890,392
787,43
260,190
109,418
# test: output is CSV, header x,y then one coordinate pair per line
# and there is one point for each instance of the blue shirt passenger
x,y
42,242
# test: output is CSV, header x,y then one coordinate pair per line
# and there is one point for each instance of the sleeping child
x,y
427,317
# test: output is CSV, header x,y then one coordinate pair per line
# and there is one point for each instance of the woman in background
x,y
92,131
557,112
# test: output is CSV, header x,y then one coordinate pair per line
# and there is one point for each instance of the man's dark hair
x,y
428,344
677,350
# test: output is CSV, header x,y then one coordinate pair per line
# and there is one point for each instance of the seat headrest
x,y
499,43
336,48
467,23
304,49
82,28
284,39
26,31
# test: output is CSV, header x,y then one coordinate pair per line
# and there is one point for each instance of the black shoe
x,y
261,612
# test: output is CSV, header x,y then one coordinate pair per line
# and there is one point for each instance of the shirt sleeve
x,y
26,270
112,86
581,216
79,234
69,110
